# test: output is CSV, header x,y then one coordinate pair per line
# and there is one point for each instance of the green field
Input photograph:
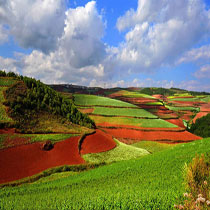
x,y
147,123
152,146
206,99
185,108
150,182
92,100
121,152
7,81
185,99
123,112
133,94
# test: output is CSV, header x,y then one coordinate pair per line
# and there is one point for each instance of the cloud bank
x,y
67,44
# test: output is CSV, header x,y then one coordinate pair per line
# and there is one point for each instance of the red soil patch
x,y
133,127
187,103
199,115
7,131
152,135
87,111
177,122
27,160
97,142
205,108
157,96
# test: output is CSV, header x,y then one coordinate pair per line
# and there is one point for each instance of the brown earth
x,y
27,160
177,122
7,131
86,111
205,108
183,136
199,115
97,142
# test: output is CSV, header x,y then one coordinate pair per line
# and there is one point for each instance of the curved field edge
x,y
120,152
151,182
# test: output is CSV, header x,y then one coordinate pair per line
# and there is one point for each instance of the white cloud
x,y
161,32
79,55
34,24
82,36
203,72
9,64
196,54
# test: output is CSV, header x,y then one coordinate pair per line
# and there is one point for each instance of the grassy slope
x,y
121,152
151,182
123,112
91,100
147,123
152,146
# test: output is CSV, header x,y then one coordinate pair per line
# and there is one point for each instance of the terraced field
x,y
117,121
137,113
92,100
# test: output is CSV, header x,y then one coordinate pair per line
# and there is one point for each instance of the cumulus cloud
x,y
82,36
79,55
160,32
9,64
196,54
203,72
34,24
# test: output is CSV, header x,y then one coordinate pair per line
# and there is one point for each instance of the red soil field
x,y
177,122
199,115
186,103
152,135
27,160
158,96
86,111
7,131
97,142
205,108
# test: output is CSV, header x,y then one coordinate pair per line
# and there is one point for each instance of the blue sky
x,y
118,43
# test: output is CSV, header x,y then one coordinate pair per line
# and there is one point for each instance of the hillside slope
x,y
35,107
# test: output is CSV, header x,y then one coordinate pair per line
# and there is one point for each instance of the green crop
x,y
121,152
92,100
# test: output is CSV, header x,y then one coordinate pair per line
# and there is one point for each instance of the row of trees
x,y
201,127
